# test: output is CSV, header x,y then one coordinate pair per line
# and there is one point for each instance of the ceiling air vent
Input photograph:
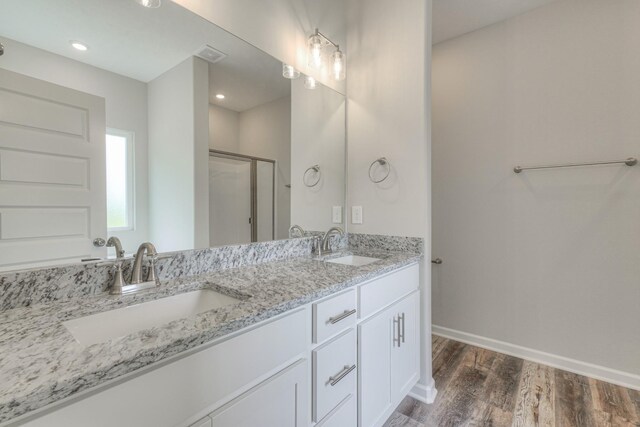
x,y
211,55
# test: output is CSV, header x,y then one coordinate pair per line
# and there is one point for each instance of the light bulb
x,y
310,83
220,96
289,72
79,46
314,59
151,4
339,70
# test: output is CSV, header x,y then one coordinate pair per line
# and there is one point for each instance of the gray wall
x,y
178,157
317,137
547,260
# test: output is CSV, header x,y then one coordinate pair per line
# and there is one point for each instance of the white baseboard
x,y
625,379
424,393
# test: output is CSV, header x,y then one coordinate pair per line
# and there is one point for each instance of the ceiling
x,y
128,39
453,18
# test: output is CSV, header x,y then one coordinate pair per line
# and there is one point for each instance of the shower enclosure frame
x,y
254,188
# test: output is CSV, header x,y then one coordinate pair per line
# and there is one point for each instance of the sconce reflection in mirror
x,y
311,176
384,163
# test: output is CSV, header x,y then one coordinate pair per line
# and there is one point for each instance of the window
x,y
120,206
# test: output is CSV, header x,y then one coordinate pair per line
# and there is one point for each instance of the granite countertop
x,y
42,363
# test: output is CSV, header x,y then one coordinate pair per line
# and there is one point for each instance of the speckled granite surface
x,y
42,363
376,242
26,287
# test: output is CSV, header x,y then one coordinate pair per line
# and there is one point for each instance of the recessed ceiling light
x,y
151,4
79,46
220,96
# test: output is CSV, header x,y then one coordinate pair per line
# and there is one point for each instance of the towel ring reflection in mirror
x,y
382,161
315,169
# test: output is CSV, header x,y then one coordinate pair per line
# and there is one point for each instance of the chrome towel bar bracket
x,y
631,161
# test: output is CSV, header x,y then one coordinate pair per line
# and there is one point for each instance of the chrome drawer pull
x,y
338,318
340,375
397,330
402,336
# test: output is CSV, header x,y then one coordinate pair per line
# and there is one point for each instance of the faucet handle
x,y
317,245
152,276
118,279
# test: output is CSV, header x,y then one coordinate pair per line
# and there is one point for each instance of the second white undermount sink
x,y
355,260
117,323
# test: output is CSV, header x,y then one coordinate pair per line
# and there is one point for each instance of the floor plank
x,y
399,420
574,402
478,387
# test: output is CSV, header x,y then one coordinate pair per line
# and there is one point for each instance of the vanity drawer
x,y
382,292
344,415
334,315
334,373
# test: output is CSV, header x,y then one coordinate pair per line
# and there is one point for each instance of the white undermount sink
x,y
353,260
117,323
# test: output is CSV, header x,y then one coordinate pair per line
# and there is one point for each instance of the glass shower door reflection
x,y
229,201
265,215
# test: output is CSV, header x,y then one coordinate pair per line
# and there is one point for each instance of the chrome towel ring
x,y
316,170
382,161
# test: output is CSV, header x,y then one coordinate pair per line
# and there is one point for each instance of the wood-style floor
x,y
478,387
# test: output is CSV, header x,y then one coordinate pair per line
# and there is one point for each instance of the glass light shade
x,y
151,4
339,65
314,53
310,83
289,72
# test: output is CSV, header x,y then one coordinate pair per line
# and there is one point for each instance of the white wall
x,y
548,260
279,27
388,115
223,129
317,137
178,157
126,109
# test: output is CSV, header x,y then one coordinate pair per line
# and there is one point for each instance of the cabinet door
x,y
374,365
281,401
405,351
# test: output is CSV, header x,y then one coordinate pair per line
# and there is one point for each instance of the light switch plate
x,y
337,215
356,214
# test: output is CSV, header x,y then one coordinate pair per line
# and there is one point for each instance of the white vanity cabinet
x,y
388,345
343,361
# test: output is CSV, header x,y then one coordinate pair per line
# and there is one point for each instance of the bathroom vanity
x,y
297,342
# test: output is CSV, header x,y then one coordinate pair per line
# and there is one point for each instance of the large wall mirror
x,y
153,124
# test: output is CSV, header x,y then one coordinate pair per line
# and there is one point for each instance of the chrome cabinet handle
x,y
340,317
402,336
340,375
396,330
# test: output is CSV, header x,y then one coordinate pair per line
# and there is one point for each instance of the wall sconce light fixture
x,y
316,43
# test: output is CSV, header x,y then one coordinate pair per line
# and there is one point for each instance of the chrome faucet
x,y
136,274
296,229
328,234
119,285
